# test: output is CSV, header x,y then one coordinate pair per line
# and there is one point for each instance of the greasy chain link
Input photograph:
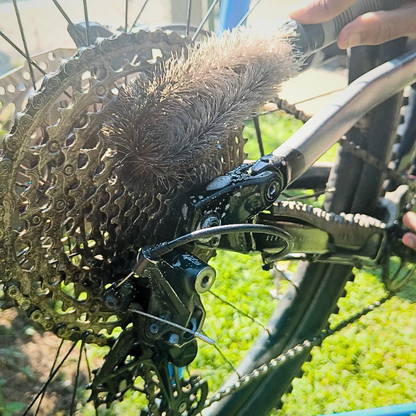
x,y
291,109
368,158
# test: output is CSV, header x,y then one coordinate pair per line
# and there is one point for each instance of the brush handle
x,y
312,38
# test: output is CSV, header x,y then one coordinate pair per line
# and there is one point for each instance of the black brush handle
x,y
312,38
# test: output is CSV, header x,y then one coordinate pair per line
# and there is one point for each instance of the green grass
x,y
369,364
276,128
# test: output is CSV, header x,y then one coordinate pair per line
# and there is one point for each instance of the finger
x,y
379,27
409,240
409,220
320,11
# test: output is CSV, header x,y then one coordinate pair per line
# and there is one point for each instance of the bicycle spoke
x,y
207,15
238,310
52,368
74,393
87,362
245,17
227,360
69,21
27,57
22,34
138,16
188,18
87,23
126,22
50,378
256,123
126,16
89,371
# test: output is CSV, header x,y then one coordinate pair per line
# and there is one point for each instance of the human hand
x,y
409,221
369,29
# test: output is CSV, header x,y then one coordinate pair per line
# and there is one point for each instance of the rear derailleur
x,y
166,313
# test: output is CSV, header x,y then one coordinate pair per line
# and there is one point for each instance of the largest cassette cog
x,y
68,226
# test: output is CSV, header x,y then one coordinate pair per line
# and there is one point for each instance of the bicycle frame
x,y
271,174
324,129
247,191
398,410
299,152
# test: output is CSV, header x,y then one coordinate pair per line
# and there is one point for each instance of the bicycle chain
x,y
368,158
308,344
292,353
291,109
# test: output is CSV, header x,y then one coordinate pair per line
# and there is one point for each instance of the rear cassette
x,y
70,227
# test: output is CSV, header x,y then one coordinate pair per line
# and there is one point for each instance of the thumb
x,y
409,220
320,11
379,27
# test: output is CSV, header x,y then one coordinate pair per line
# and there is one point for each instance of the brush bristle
x,y
164,126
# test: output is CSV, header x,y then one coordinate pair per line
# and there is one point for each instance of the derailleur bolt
x,y
272,191
173,339
111,301
205,279
208,222
154,328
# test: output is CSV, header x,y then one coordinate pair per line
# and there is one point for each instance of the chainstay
x,y
350,146
293,352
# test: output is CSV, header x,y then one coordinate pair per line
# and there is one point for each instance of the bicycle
x,y
172,279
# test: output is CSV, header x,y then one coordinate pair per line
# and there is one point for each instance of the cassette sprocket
x,y
69,227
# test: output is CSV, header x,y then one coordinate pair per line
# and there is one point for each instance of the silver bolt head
x,y
154,328
173,339
205,279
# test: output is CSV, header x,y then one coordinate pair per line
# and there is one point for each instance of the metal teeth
x,y
71,201
311,214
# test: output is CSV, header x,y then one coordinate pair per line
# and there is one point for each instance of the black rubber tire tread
x,y
306,307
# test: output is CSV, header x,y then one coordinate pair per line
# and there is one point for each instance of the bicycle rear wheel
x,y
304,307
